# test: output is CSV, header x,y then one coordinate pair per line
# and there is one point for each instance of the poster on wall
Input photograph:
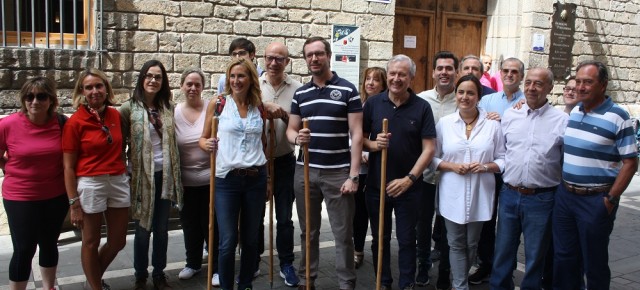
x,y
345,45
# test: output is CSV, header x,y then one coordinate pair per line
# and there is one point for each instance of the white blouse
x,y
240,143
470,197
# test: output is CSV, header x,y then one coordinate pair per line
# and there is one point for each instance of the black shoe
x,y
422,279
480,275
141,284
160,283
443,283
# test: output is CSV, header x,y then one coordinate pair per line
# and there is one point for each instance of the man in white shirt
x,y
533,170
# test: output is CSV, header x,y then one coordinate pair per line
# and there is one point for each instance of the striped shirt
x,y
595,144
327,110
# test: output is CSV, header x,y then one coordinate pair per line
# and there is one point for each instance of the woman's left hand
x,y
476,167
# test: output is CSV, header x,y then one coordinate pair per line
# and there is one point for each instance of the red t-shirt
x,y
34,159
83,134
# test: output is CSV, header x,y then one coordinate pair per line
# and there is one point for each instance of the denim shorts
x,y
102,191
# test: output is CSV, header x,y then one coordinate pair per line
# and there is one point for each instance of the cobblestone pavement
x,y
624,258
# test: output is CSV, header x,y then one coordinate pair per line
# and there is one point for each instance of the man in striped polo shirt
x,y
332,106
600,158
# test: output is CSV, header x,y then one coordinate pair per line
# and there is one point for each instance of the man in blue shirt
x,y
600,158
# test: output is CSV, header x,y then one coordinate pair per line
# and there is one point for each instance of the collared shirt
x,y
441,106
409,124
595,144
534,140
327,109
470,197
282,97
498,102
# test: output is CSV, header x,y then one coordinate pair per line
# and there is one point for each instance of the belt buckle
x,y
241,172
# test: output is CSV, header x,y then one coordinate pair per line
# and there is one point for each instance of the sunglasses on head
x,y
105,129
41,97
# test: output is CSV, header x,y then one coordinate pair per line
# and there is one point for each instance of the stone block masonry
x,y
197,33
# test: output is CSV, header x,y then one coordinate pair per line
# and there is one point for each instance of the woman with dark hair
x,y
155,169
33,190
241,175
375,82
470,149
195,166
95,175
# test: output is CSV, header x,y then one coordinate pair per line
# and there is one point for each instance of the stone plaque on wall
x,y
563,25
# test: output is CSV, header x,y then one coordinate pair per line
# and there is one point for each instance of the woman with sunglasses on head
x,y
35,207
94,174
155,169
241,174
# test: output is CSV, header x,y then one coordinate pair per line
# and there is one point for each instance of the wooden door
x,y
413,36
455,25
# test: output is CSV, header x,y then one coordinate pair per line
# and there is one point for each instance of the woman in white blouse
x,y
470,149
241,175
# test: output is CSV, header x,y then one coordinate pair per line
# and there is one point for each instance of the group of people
x,y
491,166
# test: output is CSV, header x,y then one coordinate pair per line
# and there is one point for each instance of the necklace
x,y
468,125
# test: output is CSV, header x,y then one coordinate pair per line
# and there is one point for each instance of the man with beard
x,y
332,106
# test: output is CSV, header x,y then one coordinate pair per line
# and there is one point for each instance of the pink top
x,y
489,81
34,159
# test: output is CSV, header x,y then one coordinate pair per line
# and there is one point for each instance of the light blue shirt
x,y
534,140
498,103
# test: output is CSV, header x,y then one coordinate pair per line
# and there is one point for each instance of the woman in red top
x,y
33,188
95,175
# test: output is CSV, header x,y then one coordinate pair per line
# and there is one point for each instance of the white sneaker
x,y
187,273
205,254
215,280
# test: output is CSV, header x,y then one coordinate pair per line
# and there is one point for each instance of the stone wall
x,y
608,31
196,33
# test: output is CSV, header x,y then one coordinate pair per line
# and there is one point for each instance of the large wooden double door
x,y
424,27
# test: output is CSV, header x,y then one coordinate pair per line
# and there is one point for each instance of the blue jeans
x,y
423,227
160,229
581,229
406,209
529,215
239,198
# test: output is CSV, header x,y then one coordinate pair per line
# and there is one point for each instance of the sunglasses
x,y
41,97
105,129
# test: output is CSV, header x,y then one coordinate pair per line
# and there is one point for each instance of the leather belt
x,y
249,171
583,190
530,191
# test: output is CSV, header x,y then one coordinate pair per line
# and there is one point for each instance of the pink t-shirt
x,y
34,159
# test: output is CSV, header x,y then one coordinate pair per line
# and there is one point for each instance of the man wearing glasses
x,y
244,48
278,89
332,106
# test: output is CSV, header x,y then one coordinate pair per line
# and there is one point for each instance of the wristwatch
x,y
73,200
412,177
615,200
355,179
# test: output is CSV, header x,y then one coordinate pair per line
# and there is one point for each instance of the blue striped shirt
x,y
595,144
327,110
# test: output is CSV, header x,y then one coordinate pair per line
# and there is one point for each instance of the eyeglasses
x,y
317,54
569,89
41,97
105,129
239,53
278,60
150,77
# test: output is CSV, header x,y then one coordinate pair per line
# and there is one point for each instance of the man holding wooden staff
x,y
333,108
410,145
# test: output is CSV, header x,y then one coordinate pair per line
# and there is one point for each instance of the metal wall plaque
x,y
563,28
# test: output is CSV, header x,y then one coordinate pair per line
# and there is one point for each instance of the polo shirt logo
x,y
335,95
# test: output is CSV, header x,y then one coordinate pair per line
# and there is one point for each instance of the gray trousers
x,y
463,243
324,184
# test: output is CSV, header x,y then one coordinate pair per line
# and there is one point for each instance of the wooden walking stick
x,y
307,214
383,190
272,151
212,198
